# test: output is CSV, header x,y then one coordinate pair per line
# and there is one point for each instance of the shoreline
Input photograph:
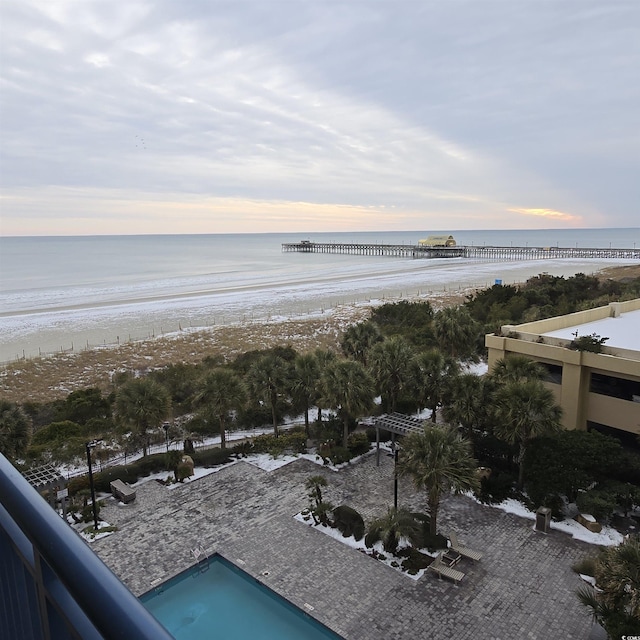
x,y
53,376
72,327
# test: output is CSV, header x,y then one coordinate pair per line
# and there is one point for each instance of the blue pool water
x,y
226,603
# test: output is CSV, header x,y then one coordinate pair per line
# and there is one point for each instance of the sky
x,y
204,116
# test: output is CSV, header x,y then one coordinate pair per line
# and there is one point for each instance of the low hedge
x,y
211,457
127,473
151,464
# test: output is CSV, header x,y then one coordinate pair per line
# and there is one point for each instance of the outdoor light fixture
x,y
89,446
395,447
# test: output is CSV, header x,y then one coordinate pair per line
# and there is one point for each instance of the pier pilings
x,y
473,252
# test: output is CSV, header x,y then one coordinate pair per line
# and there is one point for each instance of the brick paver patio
x,y
523,587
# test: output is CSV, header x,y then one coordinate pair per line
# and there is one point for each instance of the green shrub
x,y
600,503
58,433
211,457
102,480
79,483
150,464
294,441
87,512
328,430
497,487
414,560
586,566
491,452
241,449
338,455
183,471
358,444
200,427
592,343
349,522
628,468
173,459
569,461
433,543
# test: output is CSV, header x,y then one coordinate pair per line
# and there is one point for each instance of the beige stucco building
x,y
595,390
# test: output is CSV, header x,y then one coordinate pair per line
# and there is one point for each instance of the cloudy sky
x,y
201,116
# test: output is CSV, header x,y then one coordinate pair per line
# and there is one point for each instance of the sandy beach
x,y
55,376
69,319
47,378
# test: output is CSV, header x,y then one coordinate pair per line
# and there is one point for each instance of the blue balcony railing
x,y
52,586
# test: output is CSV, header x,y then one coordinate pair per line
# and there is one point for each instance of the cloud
x,y
548,213
460,111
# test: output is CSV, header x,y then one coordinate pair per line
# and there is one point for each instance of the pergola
x,y
46,478
396,424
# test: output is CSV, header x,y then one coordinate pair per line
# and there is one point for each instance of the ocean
x,y
64,293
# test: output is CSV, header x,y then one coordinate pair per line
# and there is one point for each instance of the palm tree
x,y
218,393
15,430
517,368
616,603
522,411
315,484
466,403
456,331
304,383
440,461
391,528
390,363
348,388
358,340
268,379
324,358
430,379
142,404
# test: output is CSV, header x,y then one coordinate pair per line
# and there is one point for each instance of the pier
x,y
477,253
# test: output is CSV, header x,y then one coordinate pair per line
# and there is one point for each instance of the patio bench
x,y
122,491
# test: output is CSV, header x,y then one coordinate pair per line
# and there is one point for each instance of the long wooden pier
x,y
478,253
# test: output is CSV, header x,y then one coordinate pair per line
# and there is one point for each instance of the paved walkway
x,y
523,587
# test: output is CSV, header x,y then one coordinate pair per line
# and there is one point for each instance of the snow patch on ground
x,y
607,537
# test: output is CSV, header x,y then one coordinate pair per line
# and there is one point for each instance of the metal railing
x,y
51,584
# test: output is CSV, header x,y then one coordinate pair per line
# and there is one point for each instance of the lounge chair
x,y
465,552
438,566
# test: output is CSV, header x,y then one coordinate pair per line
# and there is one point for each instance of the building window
x,y
552,372
615,387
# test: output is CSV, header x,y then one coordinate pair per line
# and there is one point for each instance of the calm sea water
x,y
56,292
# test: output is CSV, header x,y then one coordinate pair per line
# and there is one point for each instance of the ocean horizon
x,y
63,292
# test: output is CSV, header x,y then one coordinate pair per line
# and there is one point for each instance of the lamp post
x,y
395,447
165,426
89,446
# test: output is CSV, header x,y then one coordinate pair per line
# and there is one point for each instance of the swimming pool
x,y
227,603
